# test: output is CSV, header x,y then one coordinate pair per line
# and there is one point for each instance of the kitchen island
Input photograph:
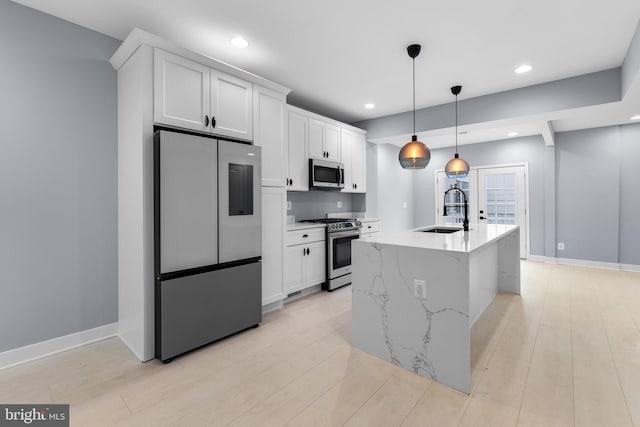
x,y
416,295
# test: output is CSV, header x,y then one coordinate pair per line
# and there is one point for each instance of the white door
x,y
268,133
296,256
502,199
181,92
454,201
358,163
316,139
316,267
297,138
231,106
345,147
332,142
274,202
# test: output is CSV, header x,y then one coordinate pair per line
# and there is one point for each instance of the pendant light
x,y
414,154
456,167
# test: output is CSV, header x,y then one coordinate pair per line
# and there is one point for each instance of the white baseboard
x,y
630,267
42,349
268,308
540,258
584,263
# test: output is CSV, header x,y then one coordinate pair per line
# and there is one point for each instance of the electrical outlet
x,y
420,289
339,204
404,205
288,205
561,246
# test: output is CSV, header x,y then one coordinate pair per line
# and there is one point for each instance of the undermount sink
x,y
441,230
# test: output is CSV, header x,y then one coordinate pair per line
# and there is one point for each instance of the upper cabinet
x,y
269,133
192,96
354,158
312,136
182,94
298,158
324,140
231,100
359,163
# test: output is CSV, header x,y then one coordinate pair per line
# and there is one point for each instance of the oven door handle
x,y
340,234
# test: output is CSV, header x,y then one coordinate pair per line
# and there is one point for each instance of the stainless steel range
x,y
340,233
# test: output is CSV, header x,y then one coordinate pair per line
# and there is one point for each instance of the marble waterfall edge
x,y
427,334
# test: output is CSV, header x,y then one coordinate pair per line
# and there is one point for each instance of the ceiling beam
x,y
548,134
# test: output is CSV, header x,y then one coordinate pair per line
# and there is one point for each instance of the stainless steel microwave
x,y
325,175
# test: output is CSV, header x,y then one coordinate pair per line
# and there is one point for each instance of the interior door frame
x,y
474,216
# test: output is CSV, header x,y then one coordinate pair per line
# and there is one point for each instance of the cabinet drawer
x,y
308,235
371,227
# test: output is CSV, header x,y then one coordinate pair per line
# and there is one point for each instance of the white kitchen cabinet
x,y
297,149
268,133
347,140
193,96
231,106
324,140
332,142
181,92
353,151
274,222
359,162
162,83
306,260
370,229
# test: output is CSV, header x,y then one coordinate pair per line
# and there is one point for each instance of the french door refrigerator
x,y
207,211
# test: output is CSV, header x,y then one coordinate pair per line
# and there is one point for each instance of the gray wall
x,y
316,204
587,196
630,194
391,187
57,178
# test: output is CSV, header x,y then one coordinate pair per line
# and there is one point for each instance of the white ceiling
x,y
337,55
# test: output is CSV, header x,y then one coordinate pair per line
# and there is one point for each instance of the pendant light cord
x,y
414,95
456,124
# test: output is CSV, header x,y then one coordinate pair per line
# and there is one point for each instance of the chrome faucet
x,y
465,223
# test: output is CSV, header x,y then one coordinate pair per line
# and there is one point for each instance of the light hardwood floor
x,y
566,352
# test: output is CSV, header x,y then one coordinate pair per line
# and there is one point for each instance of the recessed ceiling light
x,y
524,68
636,117
512,134
238,41
369,106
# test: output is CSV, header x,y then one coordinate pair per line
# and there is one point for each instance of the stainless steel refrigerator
x,y
207,211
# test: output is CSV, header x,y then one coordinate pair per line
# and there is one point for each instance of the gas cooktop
x,y
328,220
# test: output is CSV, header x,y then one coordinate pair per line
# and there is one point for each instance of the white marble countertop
x,y
477,236
303,226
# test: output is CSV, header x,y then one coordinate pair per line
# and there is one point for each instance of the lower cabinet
x,y
306,262
274,223
370,229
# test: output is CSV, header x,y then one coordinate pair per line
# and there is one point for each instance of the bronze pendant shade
x,y
456,167
414,154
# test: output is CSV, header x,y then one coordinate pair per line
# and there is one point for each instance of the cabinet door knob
x,y
305,236
482,217
355,186
206,120
213,122
291,181
304,251
308,251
